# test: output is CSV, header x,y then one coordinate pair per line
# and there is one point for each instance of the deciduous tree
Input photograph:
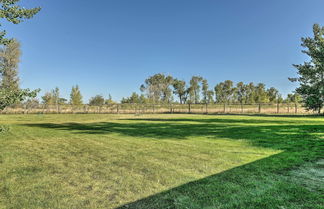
x,y
97,100
11,11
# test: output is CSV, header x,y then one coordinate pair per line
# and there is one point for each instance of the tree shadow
x,y
282,135
254,185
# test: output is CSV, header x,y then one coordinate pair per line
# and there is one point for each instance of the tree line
x,y
164,89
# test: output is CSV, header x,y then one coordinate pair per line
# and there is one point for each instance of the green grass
x,y
161,161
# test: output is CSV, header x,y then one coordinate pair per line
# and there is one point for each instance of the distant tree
x,y
109,100
194,89
261,95
97,100
250,93
207,94
280,99
53,98
224,91
311,74
9,60
157,88
32,103
62,101
75,96
219,93
210,96
56,96
180,89
241,92
273,95
47,99
205,90
133,99
294,98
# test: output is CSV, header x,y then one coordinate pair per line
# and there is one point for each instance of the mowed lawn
x,y
161,161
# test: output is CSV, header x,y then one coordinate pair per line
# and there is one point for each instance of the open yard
x,y
161,161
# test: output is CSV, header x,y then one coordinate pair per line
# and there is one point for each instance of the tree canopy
x,y
311,73
14,13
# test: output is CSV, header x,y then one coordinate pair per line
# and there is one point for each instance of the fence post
x,y
117,108
189,108
224,107
259,107
277,107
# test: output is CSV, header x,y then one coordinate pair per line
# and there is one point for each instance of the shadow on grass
x,y
282,135
260,184
254,185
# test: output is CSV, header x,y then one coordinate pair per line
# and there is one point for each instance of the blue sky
x,y
111,46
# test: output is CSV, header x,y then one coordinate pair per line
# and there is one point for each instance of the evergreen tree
x,y
75,96
311,74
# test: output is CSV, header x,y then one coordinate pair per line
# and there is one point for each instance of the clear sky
x,y
111,46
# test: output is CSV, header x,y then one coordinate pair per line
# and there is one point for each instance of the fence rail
x,y
283,108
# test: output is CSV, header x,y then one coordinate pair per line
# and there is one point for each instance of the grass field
x,y
161,161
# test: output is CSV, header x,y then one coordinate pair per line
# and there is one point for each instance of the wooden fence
x,y
283,108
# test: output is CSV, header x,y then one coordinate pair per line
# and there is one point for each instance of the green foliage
x,y
134,99
9,60
10,54
97,100
179,87
157,88
9,97
194,89
241,92
224,91
75,96
261,95
109,100
294,98
311,74
53,98
9,80
11,11
273,95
